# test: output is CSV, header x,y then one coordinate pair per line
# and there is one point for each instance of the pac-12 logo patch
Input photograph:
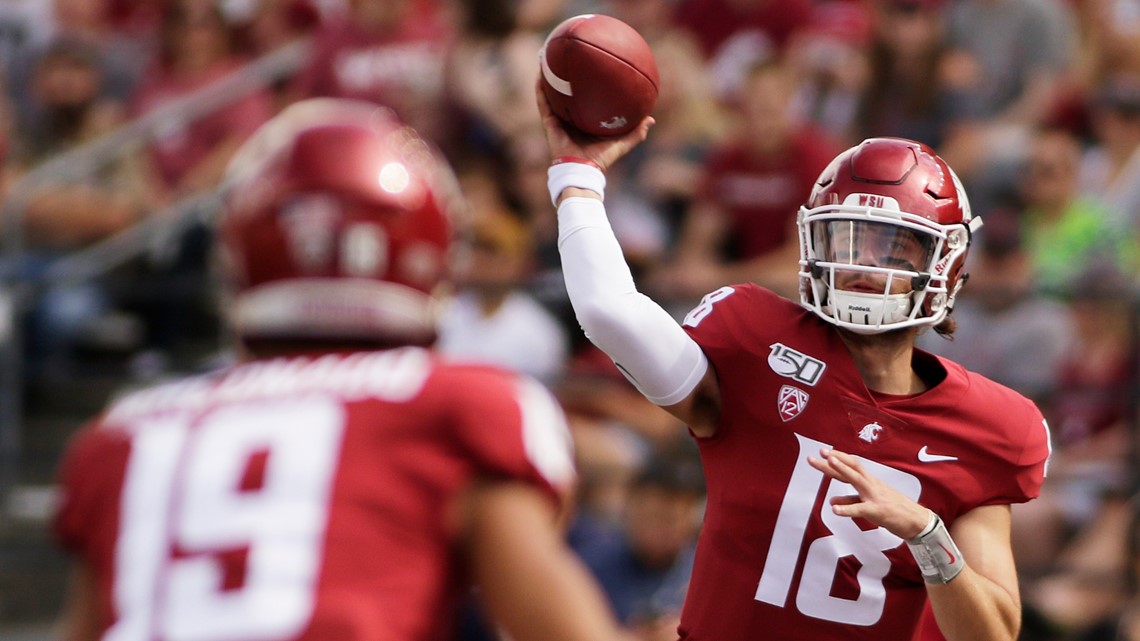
x,y
791,402
795,365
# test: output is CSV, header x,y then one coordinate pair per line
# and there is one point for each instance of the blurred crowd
x,y
1035,103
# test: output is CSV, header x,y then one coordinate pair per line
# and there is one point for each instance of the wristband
x,y
576,159
938,557
570,171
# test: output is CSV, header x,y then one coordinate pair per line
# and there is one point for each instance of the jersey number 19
x,y
183,490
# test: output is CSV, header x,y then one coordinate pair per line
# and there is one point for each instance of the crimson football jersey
x,y
773,561
299,499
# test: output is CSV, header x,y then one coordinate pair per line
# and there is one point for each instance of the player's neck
x,y
884,361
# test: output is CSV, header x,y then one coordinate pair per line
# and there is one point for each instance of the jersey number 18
x,y
813,597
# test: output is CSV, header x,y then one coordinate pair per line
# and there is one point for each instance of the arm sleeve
x,y
644,341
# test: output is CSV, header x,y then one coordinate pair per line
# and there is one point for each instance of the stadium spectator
x,y
1110,165
1008,64
25,26
390,52
1008,330
520,171
122,55
821,428
197,50
905,95
1009,57
492,319
66,213
341,482
742,225
69,109
1109,41
272,24
1087,414
1088,594
490,72
831,58
1066,231
187,157
644,562
722,26
659,181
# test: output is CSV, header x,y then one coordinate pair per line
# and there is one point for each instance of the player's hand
x,y
603,151
876,501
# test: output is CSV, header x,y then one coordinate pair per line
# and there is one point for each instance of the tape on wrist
x,y
568,171
938,557
558,160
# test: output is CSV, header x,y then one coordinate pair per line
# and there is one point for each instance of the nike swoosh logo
x,y
927,457
948,554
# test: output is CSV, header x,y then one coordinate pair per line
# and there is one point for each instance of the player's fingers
x,y
823,465
845,458
643,128
544,110
828,464
853,509
609,151
540,97
847,499
848,467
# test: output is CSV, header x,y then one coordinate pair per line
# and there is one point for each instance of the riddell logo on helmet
x,y
858,308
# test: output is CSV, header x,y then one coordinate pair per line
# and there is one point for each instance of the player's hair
x,y
947,327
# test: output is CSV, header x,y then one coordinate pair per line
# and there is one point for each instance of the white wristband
x,y
937,555
574,174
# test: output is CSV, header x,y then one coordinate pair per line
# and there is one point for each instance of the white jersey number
x,y
183,488
705,307
846,539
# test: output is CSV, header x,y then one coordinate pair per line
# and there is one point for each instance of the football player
x,y
340,483
851,477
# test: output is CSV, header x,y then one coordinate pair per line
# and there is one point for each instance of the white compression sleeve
x,y
644,341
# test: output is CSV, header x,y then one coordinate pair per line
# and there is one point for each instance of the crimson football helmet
x,y
883,238
336,227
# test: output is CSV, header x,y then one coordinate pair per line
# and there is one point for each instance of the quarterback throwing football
x,y
851,477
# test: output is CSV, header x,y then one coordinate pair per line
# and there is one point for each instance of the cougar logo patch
x,y
791,402
795,365
870,432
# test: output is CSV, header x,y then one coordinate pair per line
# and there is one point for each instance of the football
x,y
599,75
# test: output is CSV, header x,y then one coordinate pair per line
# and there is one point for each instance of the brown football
x,y
599,75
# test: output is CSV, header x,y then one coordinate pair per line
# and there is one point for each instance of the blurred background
x,y
117,119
